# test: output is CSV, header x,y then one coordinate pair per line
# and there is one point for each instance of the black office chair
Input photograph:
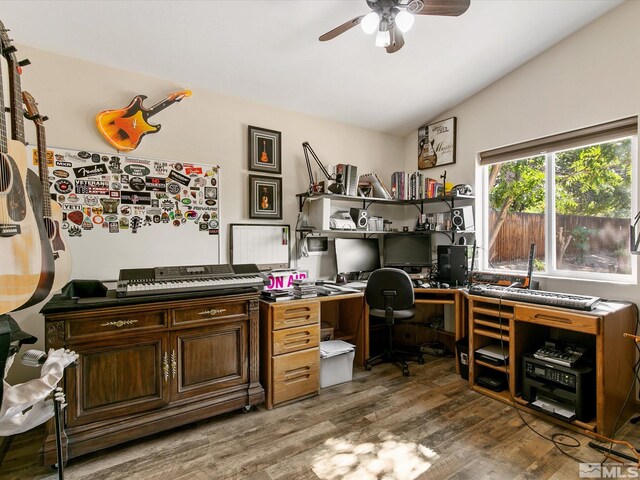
x,y
389,295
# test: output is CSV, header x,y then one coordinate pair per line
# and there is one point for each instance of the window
x,y
571,195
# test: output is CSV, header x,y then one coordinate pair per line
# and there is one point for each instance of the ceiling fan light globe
x,y
370,22
383,38
404,21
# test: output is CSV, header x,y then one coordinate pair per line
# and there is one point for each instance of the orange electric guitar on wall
x,y
124,128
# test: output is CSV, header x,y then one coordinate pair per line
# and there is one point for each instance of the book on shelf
x,y
379,188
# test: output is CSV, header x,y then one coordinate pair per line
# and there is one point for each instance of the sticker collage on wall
x,y
118,193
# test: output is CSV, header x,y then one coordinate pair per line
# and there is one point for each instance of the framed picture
x,y
264,150
265,197
437,144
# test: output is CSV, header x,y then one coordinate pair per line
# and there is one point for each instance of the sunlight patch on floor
x,y
388,459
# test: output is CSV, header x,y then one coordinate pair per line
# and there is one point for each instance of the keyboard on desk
x,y
155,281
553,299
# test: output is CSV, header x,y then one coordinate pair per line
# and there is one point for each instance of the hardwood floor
x,y
379,426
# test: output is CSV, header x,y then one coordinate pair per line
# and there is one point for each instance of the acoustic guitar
x,y
125,128
17,151
52,212
19,235
263,157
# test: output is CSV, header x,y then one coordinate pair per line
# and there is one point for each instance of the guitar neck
x,y
158,107
4,148
17,122
43,169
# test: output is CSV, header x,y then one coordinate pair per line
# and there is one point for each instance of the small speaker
x,y
452,264
360,218
462,218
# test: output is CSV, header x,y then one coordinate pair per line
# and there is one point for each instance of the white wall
x,y
206,128
589,78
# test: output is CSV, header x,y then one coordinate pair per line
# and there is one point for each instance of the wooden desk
x,y
523,328
290,337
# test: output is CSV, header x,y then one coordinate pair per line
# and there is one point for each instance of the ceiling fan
x,y
393,17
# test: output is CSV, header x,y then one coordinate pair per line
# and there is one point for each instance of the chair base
x,y
395,356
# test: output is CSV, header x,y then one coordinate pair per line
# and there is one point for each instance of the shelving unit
x,y
324,201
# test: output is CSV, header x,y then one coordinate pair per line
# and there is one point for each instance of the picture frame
x,y
265,150
437,144
265,197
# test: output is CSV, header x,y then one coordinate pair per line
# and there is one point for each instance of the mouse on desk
x,y
417,283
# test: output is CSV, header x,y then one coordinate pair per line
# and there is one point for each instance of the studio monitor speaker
x,y
452,264
360,217
462,218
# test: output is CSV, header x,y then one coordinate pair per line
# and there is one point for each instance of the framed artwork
x,y
264,150
265,197
437,144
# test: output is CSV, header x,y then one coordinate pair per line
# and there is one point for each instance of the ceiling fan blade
x,y
341,29
451,8
397,40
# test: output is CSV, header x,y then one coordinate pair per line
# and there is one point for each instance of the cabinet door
x,y
209,359
117,377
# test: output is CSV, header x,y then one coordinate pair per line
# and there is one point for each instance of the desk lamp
x,y
337,187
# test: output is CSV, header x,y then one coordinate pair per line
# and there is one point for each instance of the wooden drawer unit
x,y
563,319
294,314
296,375
290,357
295,339
206,312
129,321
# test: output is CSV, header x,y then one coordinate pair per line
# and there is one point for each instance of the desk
x,y
290,337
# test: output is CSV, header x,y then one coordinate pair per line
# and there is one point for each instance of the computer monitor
x,y
357,255
407,251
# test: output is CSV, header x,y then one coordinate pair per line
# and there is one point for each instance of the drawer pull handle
x,y
551,318
174,364
119,323
297,343
297,320
213,311
165,367
293,374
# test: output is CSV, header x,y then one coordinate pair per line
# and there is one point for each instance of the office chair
x,y
389,294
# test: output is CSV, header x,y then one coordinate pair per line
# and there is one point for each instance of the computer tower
x,y
452,265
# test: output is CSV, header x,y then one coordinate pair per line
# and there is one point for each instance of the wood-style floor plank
x,y
379,426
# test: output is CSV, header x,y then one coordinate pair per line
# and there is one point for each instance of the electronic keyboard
x,y
553,299
153,281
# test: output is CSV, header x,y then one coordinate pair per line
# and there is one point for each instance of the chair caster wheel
x,y
247,408
420,361
405,372
367,368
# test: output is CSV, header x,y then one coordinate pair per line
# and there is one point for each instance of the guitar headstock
x,y
31,106
177,96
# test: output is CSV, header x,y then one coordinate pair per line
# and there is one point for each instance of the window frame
x,y
549,146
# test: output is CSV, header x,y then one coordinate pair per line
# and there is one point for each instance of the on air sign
x,y
282,280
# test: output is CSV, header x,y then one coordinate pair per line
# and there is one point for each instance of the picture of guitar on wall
x,y
264,150
124,128
34,189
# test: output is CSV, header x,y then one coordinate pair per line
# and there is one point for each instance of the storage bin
x,y
336,362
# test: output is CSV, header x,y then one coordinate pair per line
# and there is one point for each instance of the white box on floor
x,y
336,362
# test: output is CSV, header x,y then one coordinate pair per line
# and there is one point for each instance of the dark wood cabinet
x,y
150,367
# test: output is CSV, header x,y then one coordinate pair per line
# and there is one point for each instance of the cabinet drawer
x,y
125,322
295,375
207,312
295,339
558,318
295,314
